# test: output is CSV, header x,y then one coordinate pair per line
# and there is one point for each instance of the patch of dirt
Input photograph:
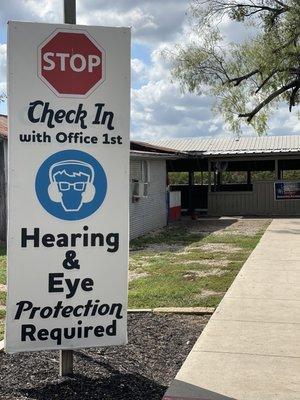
x,y
217,248
164,247
225,225
205,224
133,275
247,227
143,369
206,262
193,275
208,293
140,263
184,252
3,288
206,227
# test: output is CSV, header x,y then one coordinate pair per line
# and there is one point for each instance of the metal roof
x,y
148,147
152,155
234,146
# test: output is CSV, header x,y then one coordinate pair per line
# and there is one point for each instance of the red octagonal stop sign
x,y
71,64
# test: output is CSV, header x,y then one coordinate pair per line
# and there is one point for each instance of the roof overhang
x,y
135,154
150,148
243,155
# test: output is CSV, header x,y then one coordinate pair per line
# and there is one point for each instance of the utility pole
x,y
66,356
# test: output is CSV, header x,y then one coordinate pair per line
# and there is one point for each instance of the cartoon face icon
x,y
71,184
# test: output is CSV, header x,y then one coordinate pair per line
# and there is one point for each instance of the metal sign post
x,y
66,356
70,12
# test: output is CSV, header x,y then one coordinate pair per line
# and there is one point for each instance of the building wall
x,y
2,191
149,213
261,201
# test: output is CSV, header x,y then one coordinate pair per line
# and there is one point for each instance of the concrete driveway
x,y
250,349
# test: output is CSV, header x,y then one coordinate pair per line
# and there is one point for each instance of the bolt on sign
x,y
69,104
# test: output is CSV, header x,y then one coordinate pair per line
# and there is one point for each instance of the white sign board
x,y
69,104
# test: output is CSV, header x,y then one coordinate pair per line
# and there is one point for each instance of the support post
x,y
249,177
277,172
191,183
66,356
66,363
219,180
209,176
215,178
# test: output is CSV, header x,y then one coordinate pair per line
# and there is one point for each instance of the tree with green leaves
x,y
248,79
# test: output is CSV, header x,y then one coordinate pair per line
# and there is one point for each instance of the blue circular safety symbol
x,y
71,185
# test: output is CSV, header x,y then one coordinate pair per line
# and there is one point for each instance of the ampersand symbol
x,y
70,262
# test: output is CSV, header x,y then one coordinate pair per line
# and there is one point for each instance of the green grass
x,y
2,298
173,290
170,236
2,265
188,275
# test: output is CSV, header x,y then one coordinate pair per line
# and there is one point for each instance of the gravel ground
x,y
158,345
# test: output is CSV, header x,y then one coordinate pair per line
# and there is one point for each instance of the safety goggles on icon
x,y
78,186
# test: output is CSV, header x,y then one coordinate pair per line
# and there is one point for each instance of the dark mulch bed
x,y
158,345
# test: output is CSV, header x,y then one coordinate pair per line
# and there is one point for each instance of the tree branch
x,y
293,97
272,96
259,7
265,81
280,3
240,79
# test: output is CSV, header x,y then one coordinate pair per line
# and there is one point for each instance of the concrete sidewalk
x,y
250,349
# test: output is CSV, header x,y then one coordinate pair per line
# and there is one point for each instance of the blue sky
x,y
159,108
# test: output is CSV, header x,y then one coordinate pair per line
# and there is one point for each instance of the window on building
x,y
231,181
178,178
233,177
144,171
261,176
201,178
140,180
291,175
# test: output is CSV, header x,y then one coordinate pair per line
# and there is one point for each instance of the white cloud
x,y
159,108
32,10
139,72
2,68
138,19
152,21
284,122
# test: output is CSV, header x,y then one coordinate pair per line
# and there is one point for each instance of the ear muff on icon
x,y
89,193
54,193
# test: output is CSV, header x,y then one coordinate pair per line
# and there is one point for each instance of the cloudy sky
x,y
159,109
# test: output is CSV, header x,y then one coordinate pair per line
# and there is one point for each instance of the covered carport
x,y
253,164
